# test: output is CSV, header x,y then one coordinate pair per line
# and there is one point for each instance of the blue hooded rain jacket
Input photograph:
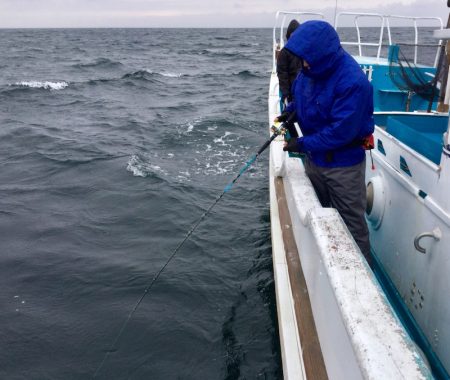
x,y
333,99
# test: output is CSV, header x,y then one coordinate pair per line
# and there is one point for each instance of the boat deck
x,y
311,352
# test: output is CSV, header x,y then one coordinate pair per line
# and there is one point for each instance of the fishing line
x,y
276,132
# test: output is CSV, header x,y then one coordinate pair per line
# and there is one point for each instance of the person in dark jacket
x,y
333,101
288,66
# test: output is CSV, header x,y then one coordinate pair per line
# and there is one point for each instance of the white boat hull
x,y
408,206
359,334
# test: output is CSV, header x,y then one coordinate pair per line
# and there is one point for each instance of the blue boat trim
x,y
380,147
422,194
404,166
407,319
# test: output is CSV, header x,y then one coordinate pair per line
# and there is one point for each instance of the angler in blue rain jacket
x,y
333,102
333,98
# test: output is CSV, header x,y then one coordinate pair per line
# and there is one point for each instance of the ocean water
x,y
113,142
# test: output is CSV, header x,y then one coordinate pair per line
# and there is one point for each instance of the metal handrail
x,y
280,45
357,16
416,31
385,23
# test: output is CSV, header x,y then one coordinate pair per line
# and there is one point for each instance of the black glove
x,y
294,145
283,117
291,128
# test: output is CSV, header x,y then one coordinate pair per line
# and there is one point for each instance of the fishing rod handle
x,y
266,144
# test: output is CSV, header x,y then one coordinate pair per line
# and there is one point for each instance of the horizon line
x,y
189,27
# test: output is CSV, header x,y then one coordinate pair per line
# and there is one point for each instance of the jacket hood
x,y
317,43
291,27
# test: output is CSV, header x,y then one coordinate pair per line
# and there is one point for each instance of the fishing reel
x,y
278,131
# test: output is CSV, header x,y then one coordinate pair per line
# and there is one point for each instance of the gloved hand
x,y
283,117
294,145
286,99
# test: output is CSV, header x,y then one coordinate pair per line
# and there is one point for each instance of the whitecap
x,y
164,73
220,140
45,85
171,75
139,168
135,167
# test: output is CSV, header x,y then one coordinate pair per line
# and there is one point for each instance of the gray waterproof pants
x,y
345,190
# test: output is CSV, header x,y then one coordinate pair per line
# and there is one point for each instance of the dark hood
x,y
318,44
291,27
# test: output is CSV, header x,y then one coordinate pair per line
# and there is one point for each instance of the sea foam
x,y
140,168
171,75
45,85
165,73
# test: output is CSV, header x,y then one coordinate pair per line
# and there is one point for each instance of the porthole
x,y
375,201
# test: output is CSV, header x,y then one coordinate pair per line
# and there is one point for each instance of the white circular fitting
x,y
376,200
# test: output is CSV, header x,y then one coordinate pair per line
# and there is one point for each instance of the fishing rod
x,y
281,130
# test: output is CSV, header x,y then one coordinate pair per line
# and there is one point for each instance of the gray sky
x,y
190,13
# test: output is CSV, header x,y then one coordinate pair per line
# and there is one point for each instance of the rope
x,y
407,77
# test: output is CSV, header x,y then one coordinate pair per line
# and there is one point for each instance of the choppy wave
x,y
101,80
140,168
100,62
149,73
171,75
181,124
140,74
219,53
76,158
248,44
45,85
246,74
